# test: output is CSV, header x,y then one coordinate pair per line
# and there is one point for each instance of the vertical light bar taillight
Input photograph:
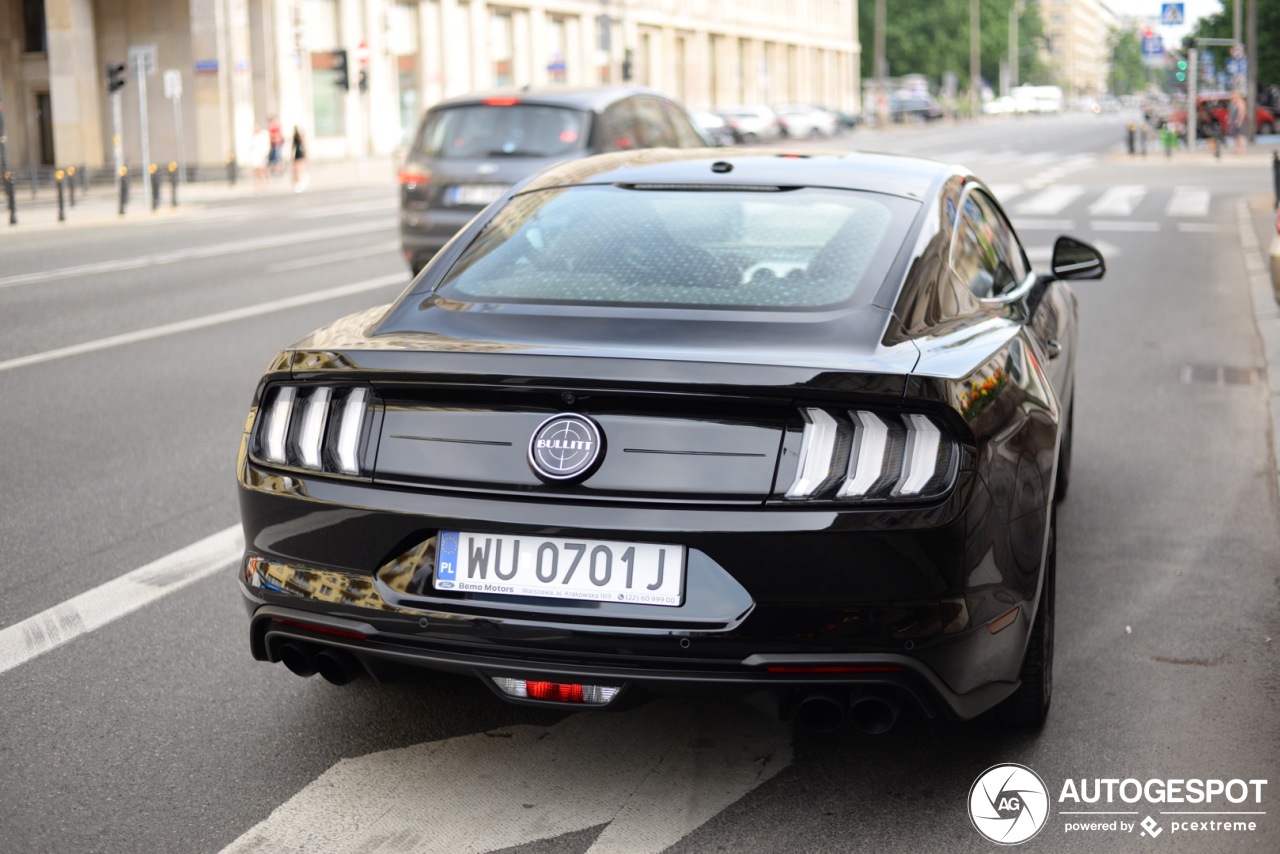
x,y
315,412
817,447
866,461
276,431
346,447
921,459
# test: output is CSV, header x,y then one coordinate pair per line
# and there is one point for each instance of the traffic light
x,y
1182,71
115,76
339,65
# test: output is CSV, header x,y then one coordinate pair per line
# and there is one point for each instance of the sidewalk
x,y
100,206
1255,156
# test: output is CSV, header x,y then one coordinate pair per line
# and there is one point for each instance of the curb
x,y
1266,311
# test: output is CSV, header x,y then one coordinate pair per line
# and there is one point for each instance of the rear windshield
x,y
518,130
692,248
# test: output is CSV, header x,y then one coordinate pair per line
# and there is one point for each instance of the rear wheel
x,y
1266,128
1029,705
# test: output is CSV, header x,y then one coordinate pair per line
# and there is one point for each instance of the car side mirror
x,y
1075,259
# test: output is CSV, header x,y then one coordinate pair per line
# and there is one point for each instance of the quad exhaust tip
x,y
870,713
335,665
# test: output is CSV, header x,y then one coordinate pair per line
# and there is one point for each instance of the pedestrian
x,y
275,161
260,155
1237,109
300,177
1207,123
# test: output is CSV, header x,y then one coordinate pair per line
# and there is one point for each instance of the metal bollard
x,y
62,208
155,187
231,170
1275,178
8,193
71,184
124,188
173,184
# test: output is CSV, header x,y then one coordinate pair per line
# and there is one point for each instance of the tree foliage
x,y
1220,26
931,37
1128,72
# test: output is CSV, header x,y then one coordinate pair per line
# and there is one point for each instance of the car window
x,y
985,254
744,249
618,127
517,130
652,127
687,135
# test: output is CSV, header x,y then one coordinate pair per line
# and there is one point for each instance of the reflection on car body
x,y
758,423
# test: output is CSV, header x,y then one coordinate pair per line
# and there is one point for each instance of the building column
x,y
75,83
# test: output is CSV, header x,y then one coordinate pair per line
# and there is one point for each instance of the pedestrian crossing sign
x,y
1173,14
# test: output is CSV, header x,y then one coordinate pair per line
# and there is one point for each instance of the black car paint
x,y
915,587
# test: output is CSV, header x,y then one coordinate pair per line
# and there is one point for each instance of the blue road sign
x,y
1152,45
1173,14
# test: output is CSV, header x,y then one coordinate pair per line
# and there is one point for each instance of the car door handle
x,y
1053,348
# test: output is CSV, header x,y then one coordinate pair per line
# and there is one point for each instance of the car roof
x,y
583,98
894,174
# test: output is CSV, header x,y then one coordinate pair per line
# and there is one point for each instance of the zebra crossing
x,y
1123,208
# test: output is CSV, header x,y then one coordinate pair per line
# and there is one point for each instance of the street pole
x,y
1192,112
1251,70
881,69
975,70
117,140
5,178
1015,11
1236,10
141,73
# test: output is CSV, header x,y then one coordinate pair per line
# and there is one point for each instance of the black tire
x,y
1064,457
1266,128
1028,706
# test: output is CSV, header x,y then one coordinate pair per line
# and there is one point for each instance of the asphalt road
x,y
128,355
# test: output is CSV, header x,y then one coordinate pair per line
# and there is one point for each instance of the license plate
x,y
594,570
474,194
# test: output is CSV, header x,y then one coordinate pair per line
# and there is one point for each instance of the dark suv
x,y
469,150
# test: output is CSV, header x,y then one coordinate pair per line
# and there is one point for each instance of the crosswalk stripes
x,y
1118,201
1188,201
1050,201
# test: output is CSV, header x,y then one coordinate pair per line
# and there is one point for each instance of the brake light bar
x,y
503,101
557,692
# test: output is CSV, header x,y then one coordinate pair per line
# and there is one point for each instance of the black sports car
x,y
772,424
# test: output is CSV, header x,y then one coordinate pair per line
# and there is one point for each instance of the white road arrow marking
x,y
653,774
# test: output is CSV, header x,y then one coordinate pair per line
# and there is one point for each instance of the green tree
x,y
1220,26
1128,72
931,37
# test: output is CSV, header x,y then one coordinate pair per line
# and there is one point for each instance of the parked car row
x,y
761,123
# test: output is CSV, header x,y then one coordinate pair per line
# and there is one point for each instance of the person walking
x,y
300,177
1237,109
259,155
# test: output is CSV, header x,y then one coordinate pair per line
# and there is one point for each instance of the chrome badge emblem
x,y
565,447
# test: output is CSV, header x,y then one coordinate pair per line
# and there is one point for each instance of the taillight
x,y
319,428
501,101
866,456
414,176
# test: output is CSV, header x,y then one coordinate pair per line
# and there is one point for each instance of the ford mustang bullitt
x,y
783,425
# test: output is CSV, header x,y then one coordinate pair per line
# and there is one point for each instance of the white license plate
x,y
595,570
474,194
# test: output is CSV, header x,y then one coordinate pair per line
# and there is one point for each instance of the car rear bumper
x,y
784,679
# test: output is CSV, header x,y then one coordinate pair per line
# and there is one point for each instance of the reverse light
x,y
862,456
557,692
316,428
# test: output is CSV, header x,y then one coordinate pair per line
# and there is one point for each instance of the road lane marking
x,y
1188,201
320,260
108,602
203,322
385,205
215,250
653,774
1050,201
1026,224
1123,225
1118,201
1005,192
1203,228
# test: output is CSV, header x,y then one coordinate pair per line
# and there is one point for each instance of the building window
x,y
403,38
503,40
557,47
35,40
